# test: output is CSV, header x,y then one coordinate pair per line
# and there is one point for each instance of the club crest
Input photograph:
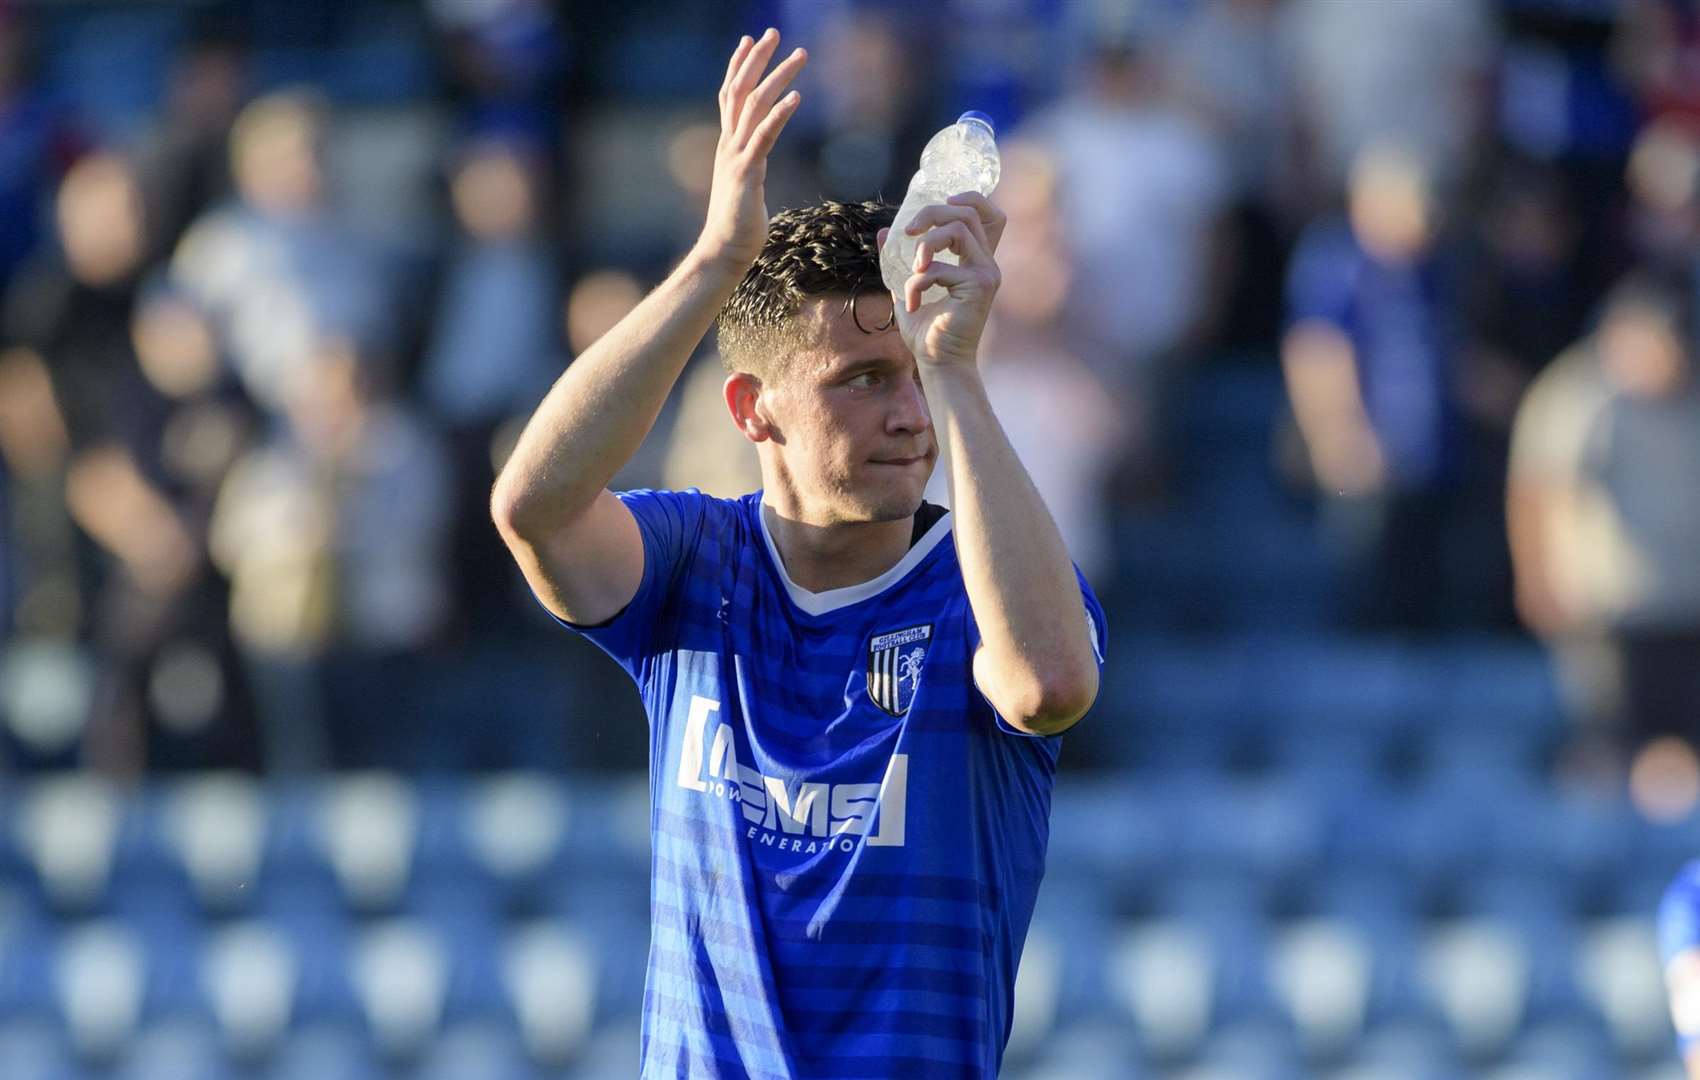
x,y
894,667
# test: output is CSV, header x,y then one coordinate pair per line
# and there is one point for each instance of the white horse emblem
x,y
894,667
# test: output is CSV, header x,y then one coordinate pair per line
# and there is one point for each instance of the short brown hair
x,y
811,251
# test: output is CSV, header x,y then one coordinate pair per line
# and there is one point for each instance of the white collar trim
x,y
833,599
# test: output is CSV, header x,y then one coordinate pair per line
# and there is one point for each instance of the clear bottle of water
x,y
962,157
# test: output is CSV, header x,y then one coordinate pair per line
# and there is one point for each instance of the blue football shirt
x,y
847,840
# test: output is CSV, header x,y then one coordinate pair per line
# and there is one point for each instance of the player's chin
x,y
892,503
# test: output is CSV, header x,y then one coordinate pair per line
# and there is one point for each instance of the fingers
x,y
767,132
939,216
950,276
956,236
972,208
760,103
992,220
732,67
749,71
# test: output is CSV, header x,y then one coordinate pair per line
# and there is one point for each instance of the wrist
x,y
949,384
717,261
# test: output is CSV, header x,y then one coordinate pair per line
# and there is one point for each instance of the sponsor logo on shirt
x,y
806,817
894,667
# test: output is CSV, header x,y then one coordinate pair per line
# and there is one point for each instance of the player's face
x,y
857,439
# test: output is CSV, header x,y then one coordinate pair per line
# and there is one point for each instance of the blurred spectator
x,y
45,676
37,143
278,270
1525,299
1369,362
506,59
1066,429
1410,73
155,601
865,103
1604,512
1142,190
334,533
1525,296
184,158
1234,73
1655,50
494,348
1663,183
44,589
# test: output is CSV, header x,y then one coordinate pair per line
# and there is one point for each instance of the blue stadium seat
x,y
26,955
554,975
513,827
316,929
1256,1048
1412,1048
607,826
1163,976
1322,970
367,826
99,973
1570,1046
1618,970
292,854
1494,682
484,1050
1269,828
35,1049
464,917
401,970
69,825
1478,973
1094,1046
179,1049
1062,967
251,977
1176,704
1112,833
214,827
612,1051
327,1051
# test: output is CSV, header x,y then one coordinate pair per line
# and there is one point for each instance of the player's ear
x,y
743,399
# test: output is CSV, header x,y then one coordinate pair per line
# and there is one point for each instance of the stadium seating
x,y
369,923
1330,859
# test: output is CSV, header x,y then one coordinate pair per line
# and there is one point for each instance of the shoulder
x,y
689,517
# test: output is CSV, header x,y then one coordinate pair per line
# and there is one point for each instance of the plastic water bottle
x,y
962,157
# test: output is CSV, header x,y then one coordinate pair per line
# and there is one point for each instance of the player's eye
x,y
867,380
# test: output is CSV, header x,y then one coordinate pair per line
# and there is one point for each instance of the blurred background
x,y
1351,342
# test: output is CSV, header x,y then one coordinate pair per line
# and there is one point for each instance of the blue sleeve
x,y
1319,279
1679,914
671,525
1096,625
1679,931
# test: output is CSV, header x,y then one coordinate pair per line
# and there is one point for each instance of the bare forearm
x,y
599,411
1037,664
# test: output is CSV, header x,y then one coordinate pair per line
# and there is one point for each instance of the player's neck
x,y
819,557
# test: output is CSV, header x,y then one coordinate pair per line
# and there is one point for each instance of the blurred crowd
x,y
281,278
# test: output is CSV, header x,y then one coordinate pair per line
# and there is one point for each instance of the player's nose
x,y
909,412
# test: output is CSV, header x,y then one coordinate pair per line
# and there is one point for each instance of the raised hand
x,y
752,114
947,330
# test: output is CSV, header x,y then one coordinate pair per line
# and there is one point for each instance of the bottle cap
x,y
975,114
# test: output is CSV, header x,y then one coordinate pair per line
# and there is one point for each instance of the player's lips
x,y
898,461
